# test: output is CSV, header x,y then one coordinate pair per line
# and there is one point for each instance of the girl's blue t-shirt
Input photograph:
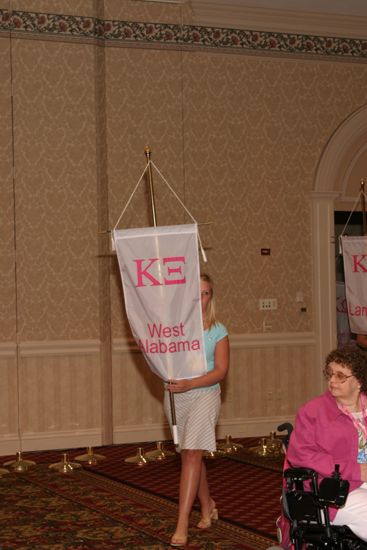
x,y
211,337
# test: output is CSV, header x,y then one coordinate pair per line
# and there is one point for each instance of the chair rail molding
x,y
238,341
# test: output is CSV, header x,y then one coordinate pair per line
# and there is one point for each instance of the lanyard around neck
x,y
358,425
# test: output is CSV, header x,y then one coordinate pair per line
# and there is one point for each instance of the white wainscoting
x,y
8,396
51,395
51,391
270,376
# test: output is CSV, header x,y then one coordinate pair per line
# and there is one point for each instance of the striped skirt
x,y
197,414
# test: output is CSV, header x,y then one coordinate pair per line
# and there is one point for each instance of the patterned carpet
x,y
119,505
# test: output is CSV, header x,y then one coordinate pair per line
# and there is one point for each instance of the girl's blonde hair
x,y
210,316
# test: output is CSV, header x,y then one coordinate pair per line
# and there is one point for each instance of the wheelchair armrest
x,y
333,491
300,474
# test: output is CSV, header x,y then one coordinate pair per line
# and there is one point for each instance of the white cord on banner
x,y
172,191
184,207
347,222
126,206
131,196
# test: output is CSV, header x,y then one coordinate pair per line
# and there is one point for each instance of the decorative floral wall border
x,y
127,32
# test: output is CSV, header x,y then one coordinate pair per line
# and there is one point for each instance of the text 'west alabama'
x,y
167,339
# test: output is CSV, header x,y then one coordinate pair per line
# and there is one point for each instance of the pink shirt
x,y
322,437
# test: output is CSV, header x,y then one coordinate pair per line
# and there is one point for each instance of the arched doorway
x,y
337,185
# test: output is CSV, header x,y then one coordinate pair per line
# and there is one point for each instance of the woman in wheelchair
x,y
332,429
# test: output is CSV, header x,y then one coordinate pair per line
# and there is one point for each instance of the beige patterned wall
x,y
8,328
239,137
144,107
7,272
252,134
55,172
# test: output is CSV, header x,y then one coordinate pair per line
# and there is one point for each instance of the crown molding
x,y
227,14
288,39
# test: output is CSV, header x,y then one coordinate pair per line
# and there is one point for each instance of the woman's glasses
x,y
339,376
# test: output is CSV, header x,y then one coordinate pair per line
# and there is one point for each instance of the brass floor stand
x,y
159,453
229,446
139,459
90,457
268,446
65,466
213,454
20,465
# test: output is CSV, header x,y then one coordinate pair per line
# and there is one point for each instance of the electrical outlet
x,y
268,304
267,327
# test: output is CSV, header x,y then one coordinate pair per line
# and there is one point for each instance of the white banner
x,y
344,335
161,281
355,271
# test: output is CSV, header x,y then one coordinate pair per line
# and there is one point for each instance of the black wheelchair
x,y
306,503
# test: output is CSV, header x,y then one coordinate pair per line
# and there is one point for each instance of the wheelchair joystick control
x,y
334,490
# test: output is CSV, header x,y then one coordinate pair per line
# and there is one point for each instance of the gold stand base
x,y
20,465
229,446
65,467
268,446
159,453
213,454
90,457
139,459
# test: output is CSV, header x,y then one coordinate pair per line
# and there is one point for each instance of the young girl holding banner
x,y
197,404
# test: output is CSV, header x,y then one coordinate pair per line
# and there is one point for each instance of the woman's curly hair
x,y
352,359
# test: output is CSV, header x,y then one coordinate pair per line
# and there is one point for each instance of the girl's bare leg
x,y
191,467
206,502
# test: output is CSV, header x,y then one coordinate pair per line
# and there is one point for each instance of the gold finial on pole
x,y
363,207
147,152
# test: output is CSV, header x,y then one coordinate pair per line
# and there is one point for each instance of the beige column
x,y
324,279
